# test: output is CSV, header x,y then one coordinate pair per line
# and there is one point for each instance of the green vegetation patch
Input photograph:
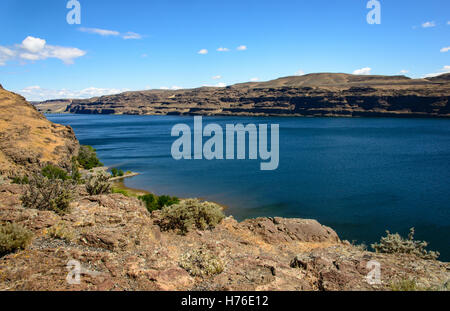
x,y
87,158
153,202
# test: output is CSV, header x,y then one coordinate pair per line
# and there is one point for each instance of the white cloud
x,y
254,79
203,52
106,33
446,49
132,36
299,72
445,69
448,23
36,93
33,45
5,55
429,24
33,49
220,84
241,48
218,77
98,31
363,71
171,88
221,49
402,72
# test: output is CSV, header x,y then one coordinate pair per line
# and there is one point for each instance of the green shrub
x,y
394,243
120,173
49,194
154,203
114,172
13,237
150,201
87,157
121,191
21,180
98,184
54,172
201,262
191,213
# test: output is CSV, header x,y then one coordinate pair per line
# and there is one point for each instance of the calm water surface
x,y
359,176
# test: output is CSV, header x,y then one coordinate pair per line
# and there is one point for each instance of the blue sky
x,y
137,44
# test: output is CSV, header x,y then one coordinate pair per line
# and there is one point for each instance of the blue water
x,y
359,176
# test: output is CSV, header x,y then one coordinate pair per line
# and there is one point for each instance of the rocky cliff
x,y
323,94
28,140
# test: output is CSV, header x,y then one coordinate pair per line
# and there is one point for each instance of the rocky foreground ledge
x,y
121,247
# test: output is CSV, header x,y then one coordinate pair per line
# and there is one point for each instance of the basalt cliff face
x,y
324,94
28,140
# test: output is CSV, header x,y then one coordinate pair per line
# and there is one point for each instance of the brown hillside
x,y
28,140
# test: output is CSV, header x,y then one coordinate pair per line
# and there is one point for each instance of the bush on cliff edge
x,y
396,244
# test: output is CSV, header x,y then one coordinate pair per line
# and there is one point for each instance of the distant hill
x,y
319,94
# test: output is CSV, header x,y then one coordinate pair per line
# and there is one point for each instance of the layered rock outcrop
x,y
324,94
28,140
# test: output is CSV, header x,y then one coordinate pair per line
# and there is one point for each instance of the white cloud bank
x,y
203,52
33,49
36,93
363,71
299,73
445,69
218,77
241,48
221,49
106,33
445,50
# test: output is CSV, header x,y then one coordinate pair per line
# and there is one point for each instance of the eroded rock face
x,y
28,140
310,95
121,247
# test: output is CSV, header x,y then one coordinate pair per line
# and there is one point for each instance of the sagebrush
x,y
395,243
98,184
49,194
13,237
191,213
